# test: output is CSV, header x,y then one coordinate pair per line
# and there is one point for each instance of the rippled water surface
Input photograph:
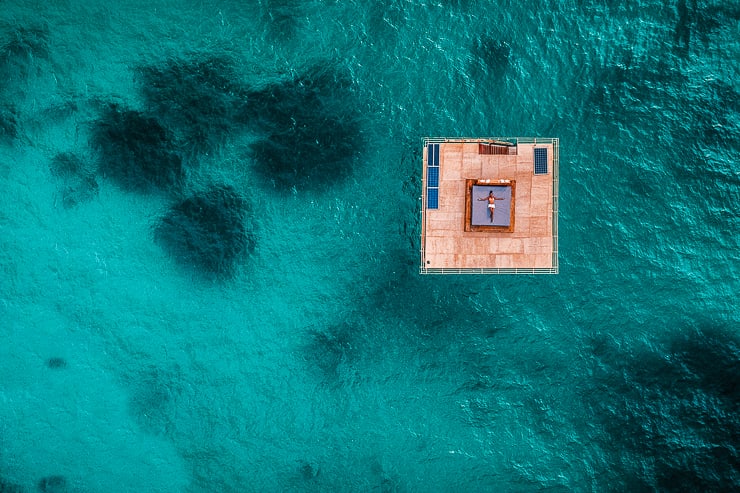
x,y
209,234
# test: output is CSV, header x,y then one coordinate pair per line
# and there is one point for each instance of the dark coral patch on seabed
x,y
328,349
154,394
208,231
675,412
137,151
24,45
66,165
53,484
492,53
56,363
77,181
9,124
201,96
313,152
27,42
311,126
8,487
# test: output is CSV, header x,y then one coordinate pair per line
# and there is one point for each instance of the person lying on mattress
x,y
491,203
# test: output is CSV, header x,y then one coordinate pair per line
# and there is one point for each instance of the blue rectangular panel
x,y
432,176
432,198
540,161
432,154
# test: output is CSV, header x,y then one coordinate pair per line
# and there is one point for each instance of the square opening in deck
x,y
479,215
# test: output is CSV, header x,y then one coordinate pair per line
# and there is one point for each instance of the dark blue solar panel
x,y
432,198
432,154
540,161
432,176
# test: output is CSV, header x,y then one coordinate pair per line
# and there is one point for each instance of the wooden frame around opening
x,y
469,226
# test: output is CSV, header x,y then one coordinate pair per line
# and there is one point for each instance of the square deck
x,y
490,206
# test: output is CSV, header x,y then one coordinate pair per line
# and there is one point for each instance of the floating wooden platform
x,y
459,235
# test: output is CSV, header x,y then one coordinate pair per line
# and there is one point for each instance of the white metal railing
x,y
488,270
555,142
522,140
555,200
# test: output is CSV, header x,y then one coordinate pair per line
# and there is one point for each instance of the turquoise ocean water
x,y
306,353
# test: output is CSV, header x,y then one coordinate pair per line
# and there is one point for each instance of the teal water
x,y
310,355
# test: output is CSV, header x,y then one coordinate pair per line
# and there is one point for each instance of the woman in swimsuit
x,y
491,203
